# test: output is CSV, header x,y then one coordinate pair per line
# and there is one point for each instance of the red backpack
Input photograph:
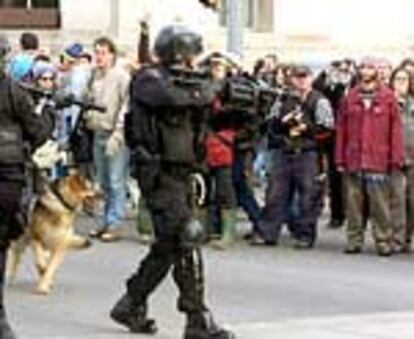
x,y
220,148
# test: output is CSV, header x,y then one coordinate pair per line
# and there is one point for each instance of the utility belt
x,y
176,169
192,176
291,148
298,150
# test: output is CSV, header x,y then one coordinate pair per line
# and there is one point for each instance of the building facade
x,y
294,29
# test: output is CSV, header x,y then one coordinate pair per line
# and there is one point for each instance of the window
x,y
248,12
29,14
265,15
258,14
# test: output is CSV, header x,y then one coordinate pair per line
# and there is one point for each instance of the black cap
x,y
301,70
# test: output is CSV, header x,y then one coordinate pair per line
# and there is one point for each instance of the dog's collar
x,y
55,190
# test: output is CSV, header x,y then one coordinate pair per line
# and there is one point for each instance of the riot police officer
x,y
19,125
164,132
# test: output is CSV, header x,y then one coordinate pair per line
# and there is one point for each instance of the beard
x,y
369,79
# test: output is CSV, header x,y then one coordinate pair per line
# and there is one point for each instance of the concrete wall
x,y
322,29
318,30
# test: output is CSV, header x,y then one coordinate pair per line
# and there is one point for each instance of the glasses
x,y
47,78
401,78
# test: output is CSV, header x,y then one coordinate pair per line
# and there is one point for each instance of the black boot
x,y
201,325
5,329
134,317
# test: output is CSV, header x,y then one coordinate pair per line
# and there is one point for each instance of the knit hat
x,y
369,61
42,67
74,51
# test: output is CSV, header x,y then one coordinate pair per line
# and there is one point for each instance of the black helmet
x,y
177,43
4,46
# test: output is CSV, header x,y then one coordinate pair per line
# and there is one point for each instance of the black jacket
x,y
158,105
278,132
16,107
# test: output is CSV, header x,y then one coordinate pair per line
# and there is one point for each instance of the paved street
x,y
260,293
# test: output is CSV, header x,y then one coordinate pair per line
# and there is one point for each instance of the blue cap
x,y
74,51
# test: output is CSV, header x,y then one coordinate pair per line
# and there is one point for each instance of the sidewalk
x,y
373,326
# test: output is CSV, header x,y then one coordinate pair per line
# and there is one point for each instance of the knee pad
x,y
192,234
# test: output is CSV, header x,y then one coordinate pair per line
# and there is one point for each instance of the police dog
x,y
50,232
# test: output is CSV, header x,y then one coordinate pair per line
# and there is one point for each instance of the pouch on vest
x,y
11,145
177,139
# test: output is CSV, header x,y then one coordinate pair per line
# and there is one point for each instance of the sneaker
x,y
335,224
5,330
110,236
257,240
353,250
301,244
96,233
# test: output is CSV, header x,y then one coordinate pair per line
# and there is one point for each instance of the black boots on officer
x,y
5,330
133,316
200,325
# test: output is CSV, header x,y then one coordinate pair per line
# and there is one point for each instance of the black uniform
x,y
165,132
18,125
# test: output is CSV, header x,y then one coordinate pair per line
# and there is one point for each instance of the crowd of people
x,y
344,133
362,146
343,137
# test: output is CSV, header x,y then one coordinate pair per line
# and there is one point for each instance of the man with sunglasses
x,y
299,120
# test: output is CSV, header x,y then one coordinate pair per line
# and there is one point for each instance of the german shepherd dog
x,y
50,232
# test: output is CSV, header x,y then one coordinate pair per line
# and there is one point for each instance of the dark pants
x,y
336,191
365,189
3,258
291,173
221,197
10,225
167,196
244,192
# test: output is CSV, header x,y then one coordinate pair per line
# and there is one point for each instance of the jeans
x,y
244,193
111,174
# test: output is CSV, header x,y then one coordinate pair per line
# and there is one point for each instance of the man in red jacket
x,y
369,147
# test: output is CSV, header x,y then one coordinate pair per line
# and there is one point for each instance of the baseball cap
x,y
74,51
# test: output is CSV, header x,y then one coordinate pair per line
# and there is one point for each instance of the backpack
x,y
220,148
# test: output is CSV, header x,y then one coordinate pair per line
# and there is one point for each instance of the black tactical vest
x,y
277,134
176,137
